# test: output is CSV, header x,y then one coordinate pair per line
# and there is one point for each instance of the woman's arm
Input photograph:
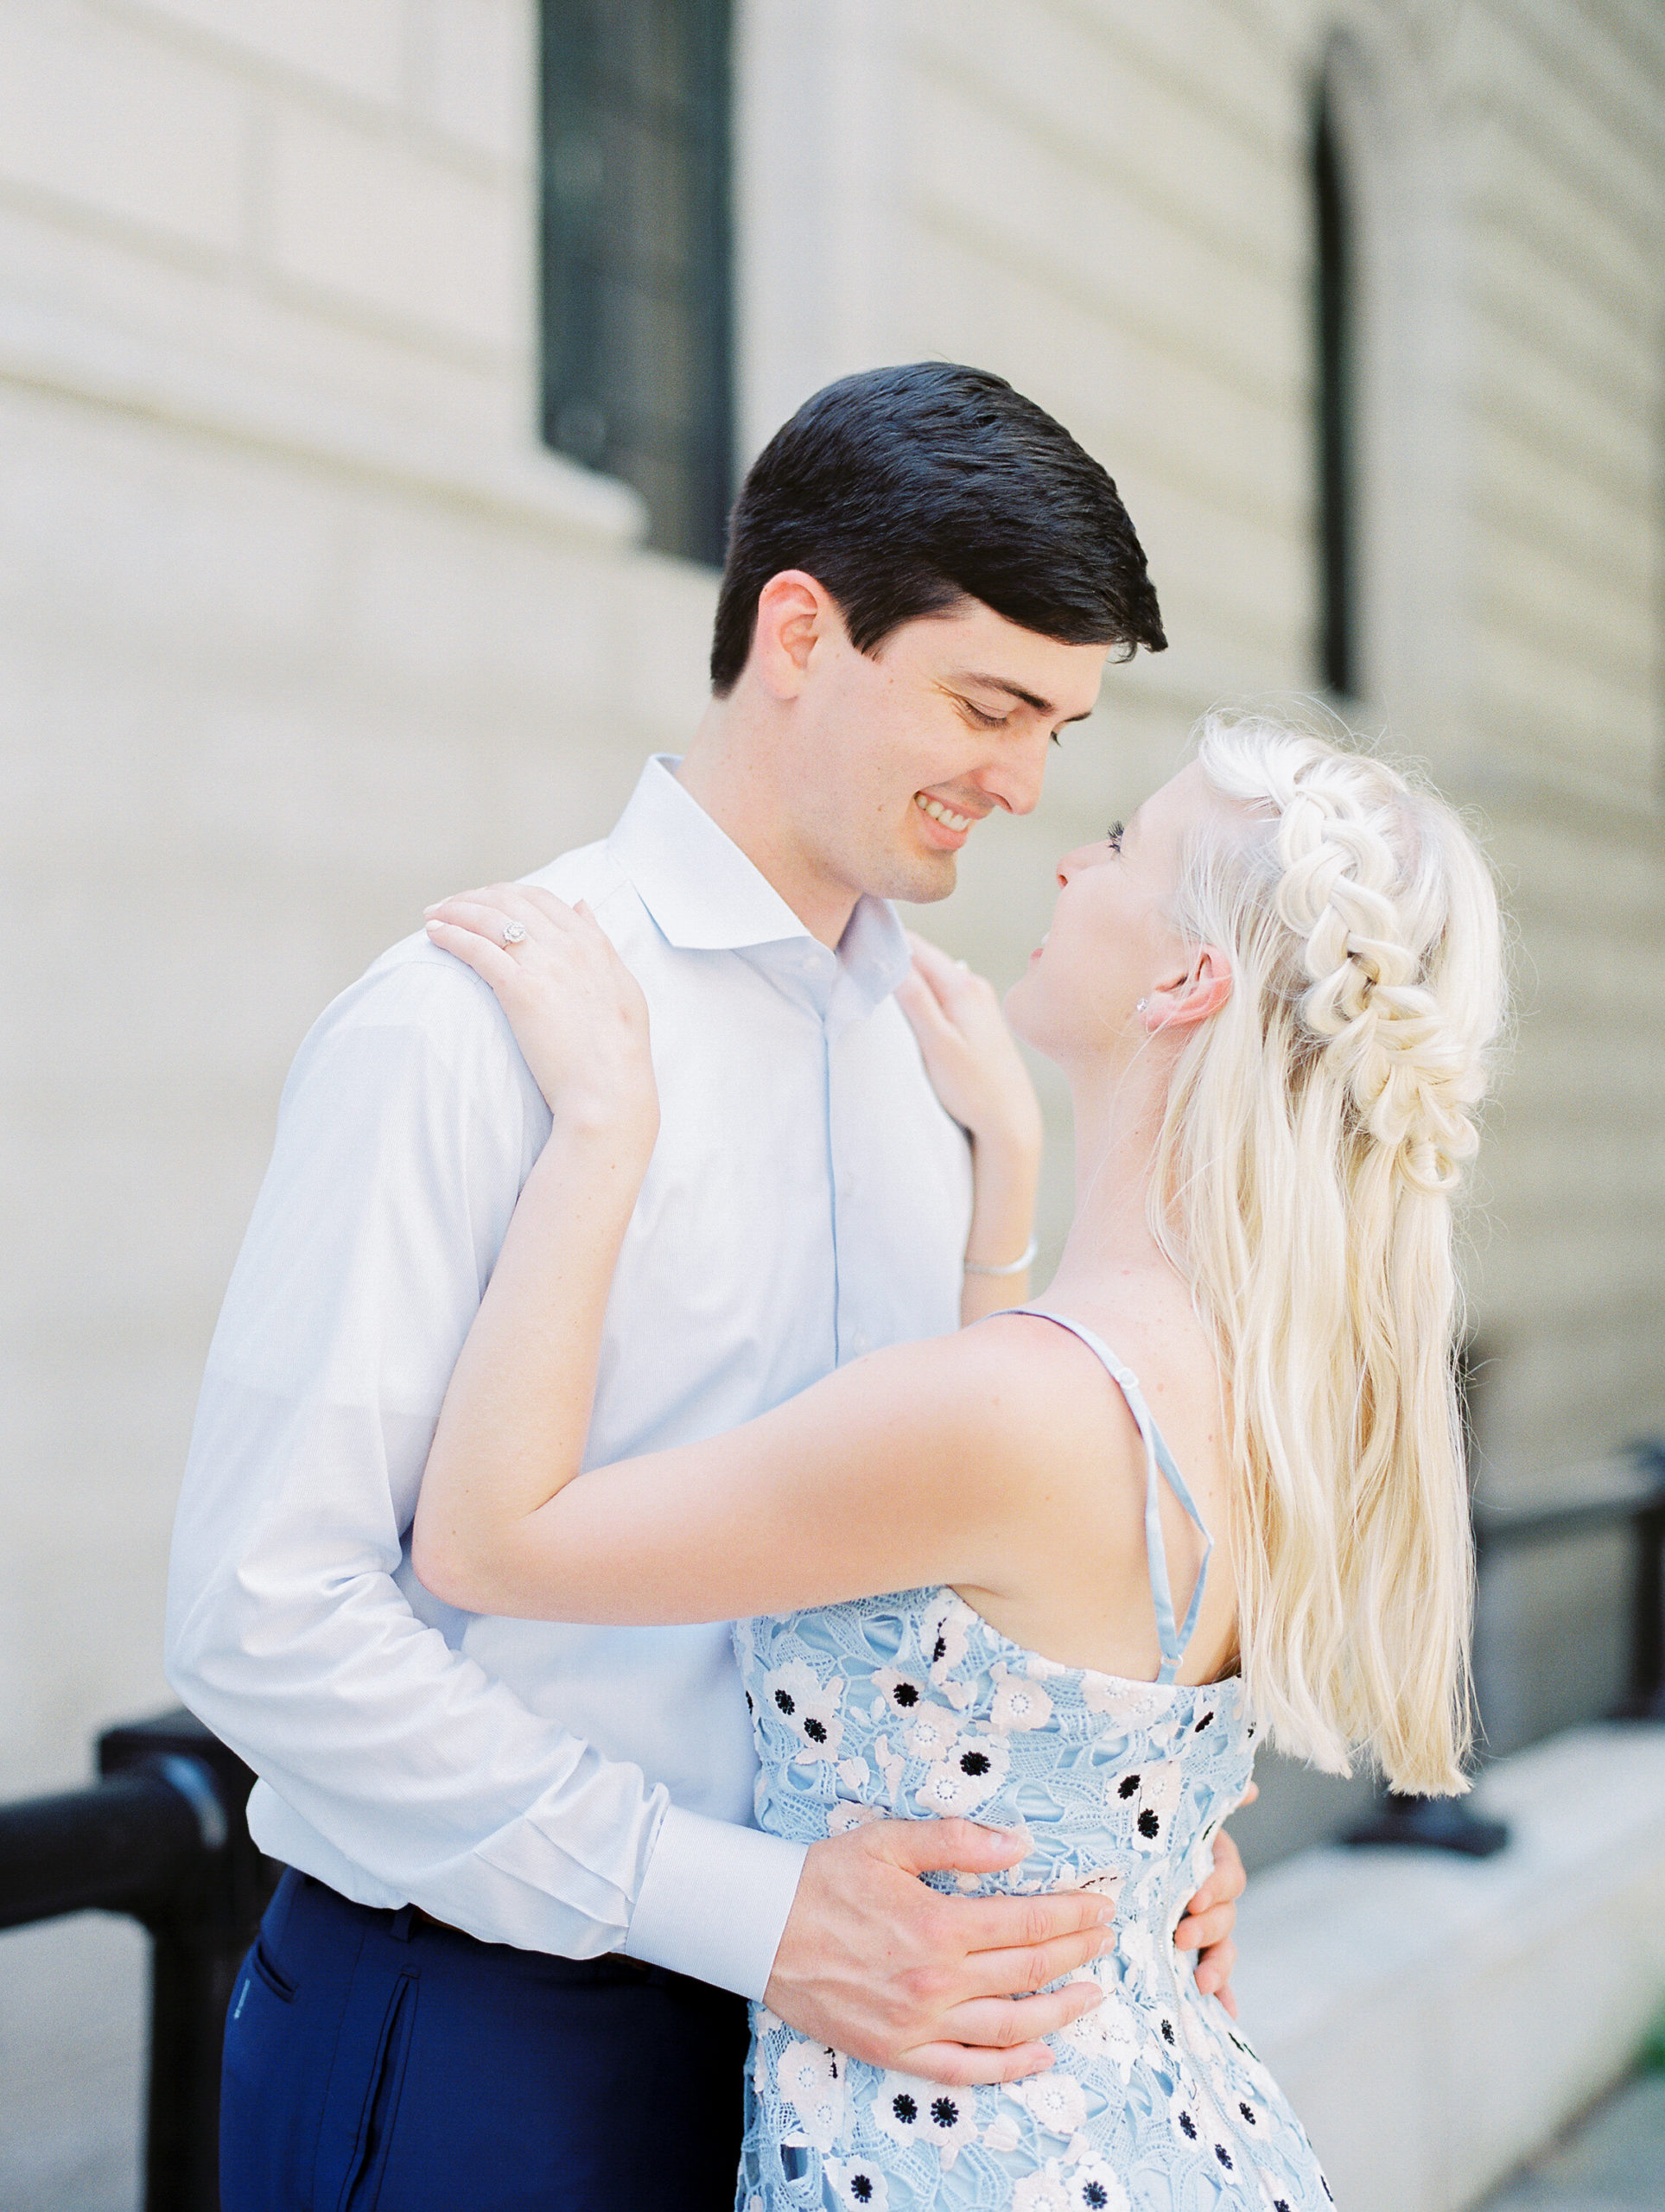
x,y
975,1068
895,1471
512,1425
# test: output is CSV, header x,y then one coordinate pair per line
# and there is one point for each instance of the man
x,y
505,1967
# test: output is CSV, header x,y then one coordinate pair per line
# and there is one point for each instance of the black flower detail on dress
x,y
815,1730
944,2112
1167,2033
1207,1722
1129,1786
1224,2158
1095,2194
974,1764
1187,2127
862,2188
907,1693
1249,2112
1149,1825
786,1702
905,2109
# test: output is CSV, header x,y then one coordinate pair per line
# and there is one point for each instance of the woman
x,y
1273,996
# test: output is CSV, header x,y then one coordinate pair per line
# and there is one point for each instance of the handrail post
x,y
199,1932
1644,1697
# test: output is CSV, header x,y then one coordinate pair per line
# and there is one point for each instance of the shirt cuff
x,y
713,1901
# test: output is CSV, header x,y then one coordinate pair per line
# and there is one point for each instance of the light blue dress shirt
x,y
562,1788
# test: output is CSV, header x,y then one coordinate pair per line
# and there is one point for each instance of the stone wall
x,y
298,626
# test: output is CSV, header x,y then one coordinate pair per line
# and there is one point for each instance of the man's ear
x,y
794,614
1183,999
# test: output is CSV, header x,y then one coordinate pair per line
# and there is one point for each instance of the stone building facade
x,y
302,624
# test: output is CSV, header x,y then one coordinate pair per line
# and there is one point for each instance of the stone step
x,y
1435,2021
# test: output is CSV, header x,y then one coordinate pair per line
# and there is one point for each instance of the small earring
x,y
1142,1004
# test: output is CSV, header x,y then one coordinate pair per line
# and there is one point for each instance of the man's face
x,y
894,758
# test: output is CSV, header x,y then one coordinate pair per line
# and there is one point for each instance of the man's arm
x,y
405,1130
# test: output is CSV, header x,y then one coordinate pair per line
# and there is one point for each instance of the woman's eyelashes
x,y
1112,835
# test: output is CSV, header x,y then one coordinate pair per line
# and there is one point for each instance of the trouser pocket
x,y
362,2182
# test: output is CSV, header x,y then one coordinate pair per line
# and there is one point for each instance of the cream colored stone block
x,y
1519,279
384,228
1026,200
1604,263
1124,393
71,2137
104,119
480,69
356,45
1570,104
1435,2020
1601,731
1076,82
73,309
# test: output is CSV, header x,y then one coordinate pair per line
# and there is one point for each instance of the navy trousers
x,y
375,2062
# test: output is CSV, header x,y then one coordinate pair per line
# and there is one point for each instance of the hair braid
x,y
1315,1134
1411,1077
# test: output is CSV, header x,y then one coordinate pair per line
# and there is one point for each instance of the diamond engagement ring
x,y
512,932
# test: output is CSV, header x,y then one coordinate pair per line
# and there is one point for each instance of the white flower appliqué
x,y
811,2077
1110,2032
911,2111
902,1693
944,1643
964,1776
1147,1799
858,2183
1055,2100
807,1707
1042,2192
1017,1703
1092,2187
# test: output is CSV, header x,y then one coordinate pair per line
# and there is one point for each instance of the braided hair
x,y
1316,1137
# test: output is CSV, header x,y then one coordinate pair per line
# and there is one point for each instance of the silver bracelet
x,y
1013,1267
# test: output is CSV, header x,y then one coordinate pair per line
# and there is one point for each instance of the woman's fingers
x,y
484,954
924,1009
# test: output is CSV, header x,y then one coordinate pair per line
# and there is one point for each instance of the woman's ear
x,y
1182,1000
793,611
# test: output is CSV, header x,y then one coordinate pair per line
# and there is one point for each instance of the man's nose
x,y
1014,780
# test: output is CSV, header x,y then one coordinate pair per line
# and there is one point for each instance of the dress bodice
x,y
914,1706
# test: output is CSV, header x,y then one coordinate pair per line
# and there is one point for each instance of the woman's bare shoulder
x,y
1027,1393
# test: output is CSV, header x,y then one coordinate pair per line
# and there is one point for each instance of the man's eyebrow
x,y
1016,692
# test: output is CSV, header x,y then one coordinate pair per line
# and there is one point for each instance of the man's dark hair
x,y
903,491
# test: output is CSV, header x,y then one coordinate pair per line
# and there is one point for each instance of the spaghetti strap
x,y
1172,1640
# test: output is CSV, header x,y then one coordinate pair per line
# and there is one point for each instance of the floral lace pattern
x,y
912,1706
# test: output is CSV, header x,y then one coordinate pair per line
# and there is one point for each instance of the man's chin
x,y
920,880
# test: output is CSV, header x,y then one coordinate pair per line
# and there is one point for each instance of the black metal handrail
x,y
1448,1824
161,1837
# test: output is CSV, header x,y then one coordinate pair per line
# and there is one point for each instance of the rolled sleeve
x,y
392,1765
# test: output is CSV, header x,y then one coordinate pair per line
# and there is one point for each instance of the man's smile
x,y
951,828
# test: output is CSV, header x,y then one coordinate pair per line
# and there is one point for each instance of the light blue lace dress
x,y
912,1705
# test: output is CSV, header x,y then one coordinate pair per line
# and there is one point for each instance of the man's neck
x,y
726,770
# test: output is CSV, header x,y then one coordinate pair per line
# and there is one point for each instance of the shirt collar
x,y
706,896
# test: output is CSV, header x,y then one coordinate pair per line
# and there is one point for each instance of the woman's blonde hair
x,y
1315,1137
